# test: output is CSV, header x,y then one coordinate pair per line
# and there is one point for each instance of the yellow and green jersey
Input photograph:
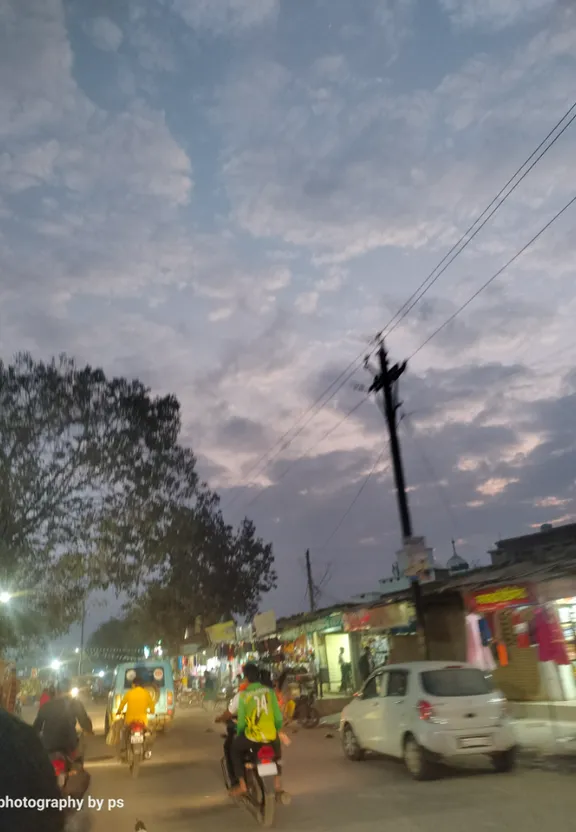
x,y
259,715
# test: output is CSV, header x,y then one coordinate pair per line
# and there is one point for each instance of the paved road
x,y
180,791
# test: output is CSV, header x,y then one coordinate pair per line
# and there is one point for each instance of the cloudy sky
x,y
228,198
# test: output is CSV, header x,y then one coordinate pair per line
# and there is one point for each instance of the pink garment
x,y
551,645
477,655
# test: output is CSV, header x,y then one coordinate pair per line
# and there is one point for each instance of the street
x,y
181,789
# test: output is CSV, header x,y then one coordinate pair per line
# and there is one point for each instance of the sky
x,y
229,198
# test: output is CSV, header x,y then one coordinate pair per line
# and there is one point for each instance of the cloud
x,y
234,223
227,16
104,34
494,14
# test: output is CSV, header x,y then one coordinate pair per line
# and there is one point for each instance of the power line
x,y
357,496
406,418
493,278
313,410
319,404
462,243
309,449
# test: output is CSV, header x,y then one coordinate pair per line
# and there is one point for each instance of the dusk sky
x,y
229,198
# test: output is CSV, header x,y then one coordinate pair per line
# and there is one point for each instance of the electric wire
x,y
309,449
320,402
283,443
497,274
443,497
357,496
463,243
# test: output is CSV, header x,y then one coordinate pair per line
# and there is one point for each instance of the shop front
x,y
516,633
321,648
383,630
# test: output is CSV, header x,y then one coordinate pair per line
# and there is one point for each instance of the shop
x,y
321,648
516,633
385,630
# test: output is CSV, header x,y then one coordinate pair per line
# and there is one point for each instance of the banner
x,y
387,617
500,597
224,633
264,624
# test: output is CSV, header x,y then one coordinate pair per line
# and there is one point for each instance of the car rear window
x,y
148,675
464,681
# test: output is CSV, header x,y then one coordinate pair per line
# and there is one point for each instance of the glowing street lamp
x,y
56,665
5,597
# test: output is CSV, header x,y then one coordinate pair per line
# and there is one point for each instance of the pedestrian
x,y
365,664
209,688
342,663
11,690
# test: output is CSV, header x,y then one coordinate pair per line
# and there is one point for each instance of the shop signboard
x,y
224,633
499,597
332,623
416,560
386,617
264,624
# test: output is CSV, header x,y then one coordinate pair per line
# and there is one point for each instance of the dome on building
x,y
457,563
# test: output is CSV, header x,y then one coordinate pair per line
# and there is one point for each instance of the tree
x,y
211,571
71,443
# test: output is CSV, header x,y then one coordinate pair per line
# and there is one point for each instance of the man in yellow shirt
x,y
138,703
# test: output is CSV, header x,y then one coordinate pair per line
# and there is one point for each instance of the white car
x,y
426,712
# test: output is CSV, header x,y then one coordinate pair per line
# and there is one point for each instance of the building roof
x,y
551,535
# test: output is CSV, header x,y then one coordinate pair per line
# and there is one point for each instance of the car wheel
x,y
505,761
350,745
416,761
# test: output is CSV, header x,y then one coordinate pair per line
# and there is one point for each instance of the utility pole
x,y
386,382
310,582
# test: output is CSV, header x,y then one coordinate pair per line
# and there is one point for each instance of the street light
x,y
56,665
5,597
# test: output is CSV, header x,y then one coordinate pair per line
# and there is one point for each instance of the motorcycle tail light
x,y
137,728
59,767
266,754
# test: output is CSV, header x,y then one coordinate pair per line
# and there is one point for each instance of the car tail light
x,y
266,754
170,711
425,711
170,698
59,767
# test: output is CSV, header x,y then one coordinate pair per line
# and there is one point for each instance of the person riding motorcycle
x,y
56,722
229,717
26,773
259,722
138,703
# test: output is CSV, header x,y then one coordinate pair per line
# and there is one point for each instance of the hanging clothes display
x,y
551,646
478,654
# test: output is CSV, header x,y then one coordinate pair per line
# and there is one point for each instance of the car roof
x,y
422,667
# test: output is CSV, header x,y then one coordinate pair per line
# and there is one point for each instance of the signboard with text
x,y
386,617
264,624
500,597
224,633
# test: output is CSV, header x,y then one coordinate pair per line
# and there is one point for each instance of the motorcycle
x,y
260,772
136,747
72,778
